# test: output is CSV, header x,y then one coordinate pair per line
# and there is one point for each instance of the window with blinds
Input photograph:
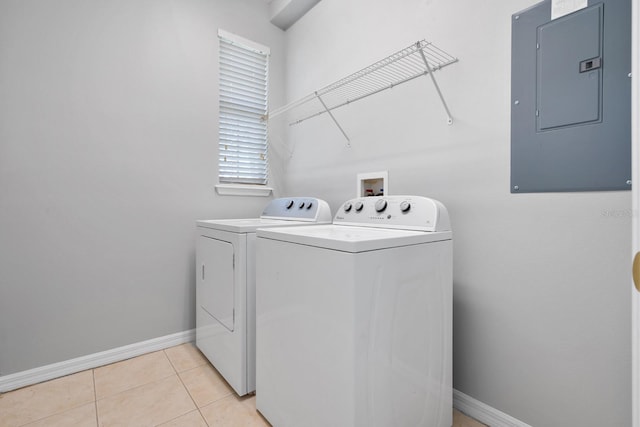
x,y
244,69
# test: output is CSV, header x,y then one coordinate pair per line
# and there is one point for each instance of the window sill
x,y
243,190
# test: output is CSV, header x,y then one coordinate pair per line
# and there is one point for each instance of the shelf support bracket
x,y
333,118
433,79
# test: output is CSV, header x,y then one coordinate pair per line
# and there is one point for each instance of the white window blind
x,y
244,69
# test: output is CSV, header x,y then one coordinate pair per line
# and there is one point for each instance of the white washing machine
x,y
354,318
225,284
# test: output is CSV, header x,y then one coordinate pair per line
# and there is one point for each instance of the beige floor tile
x,y
145,391
147,405
185,357
210,411
45,399
249,401
84,416
461,420
121,376
205,385
192,419
233,412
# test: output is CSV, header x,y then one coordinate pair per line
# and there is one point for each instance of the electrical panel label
x,y
564,7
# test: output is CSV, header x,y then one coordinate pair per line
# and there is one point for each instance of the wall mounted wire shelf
x,y
420,59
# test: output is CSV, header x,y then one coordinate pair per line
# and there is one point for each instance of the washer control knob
x,y
405,206
301,205
347,207
289,204
309,205
359,206
381,205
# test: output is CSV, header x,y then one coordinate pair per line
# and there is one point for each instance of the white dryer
x,y
354,318
225,284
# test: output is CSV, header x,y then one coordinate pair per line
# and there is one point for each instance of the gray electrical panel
x,y
571,98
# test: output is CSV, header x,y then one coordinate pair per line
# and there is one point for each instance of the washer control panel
x,y
400,212
298,208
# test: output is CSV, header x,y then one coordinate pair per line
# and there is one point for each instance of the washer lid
x,y
284,212
351,238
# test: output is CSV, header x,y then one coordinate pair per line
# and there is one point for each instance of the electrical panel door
x,y
571,97
569,63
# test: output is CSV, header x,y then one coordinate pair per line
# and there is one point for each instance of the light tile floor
x,y
175,387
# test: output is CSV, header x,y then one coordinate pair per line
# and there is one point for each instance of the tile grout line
x,y
146,384
170,362
179,416
154,381
95,396
186,389
57,412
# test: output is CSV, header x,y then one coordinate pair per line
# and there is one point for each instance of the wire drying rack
x,y
420,59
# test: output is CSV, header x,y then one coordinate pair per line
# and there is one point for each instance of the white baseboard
x,y
67,367
483,412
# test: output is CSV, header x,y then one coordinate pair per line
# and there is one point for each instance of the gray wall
x,y
108,155
541,281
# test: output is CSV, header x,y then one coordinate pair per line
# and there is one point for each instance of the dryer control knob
x,y
381,205
405,206
309,205
347,207
359,206
289,204
301,205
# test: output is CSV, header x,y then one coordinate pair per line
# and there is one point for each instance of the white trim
x,y
243,190
71,366
483,412
635,196
241,41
